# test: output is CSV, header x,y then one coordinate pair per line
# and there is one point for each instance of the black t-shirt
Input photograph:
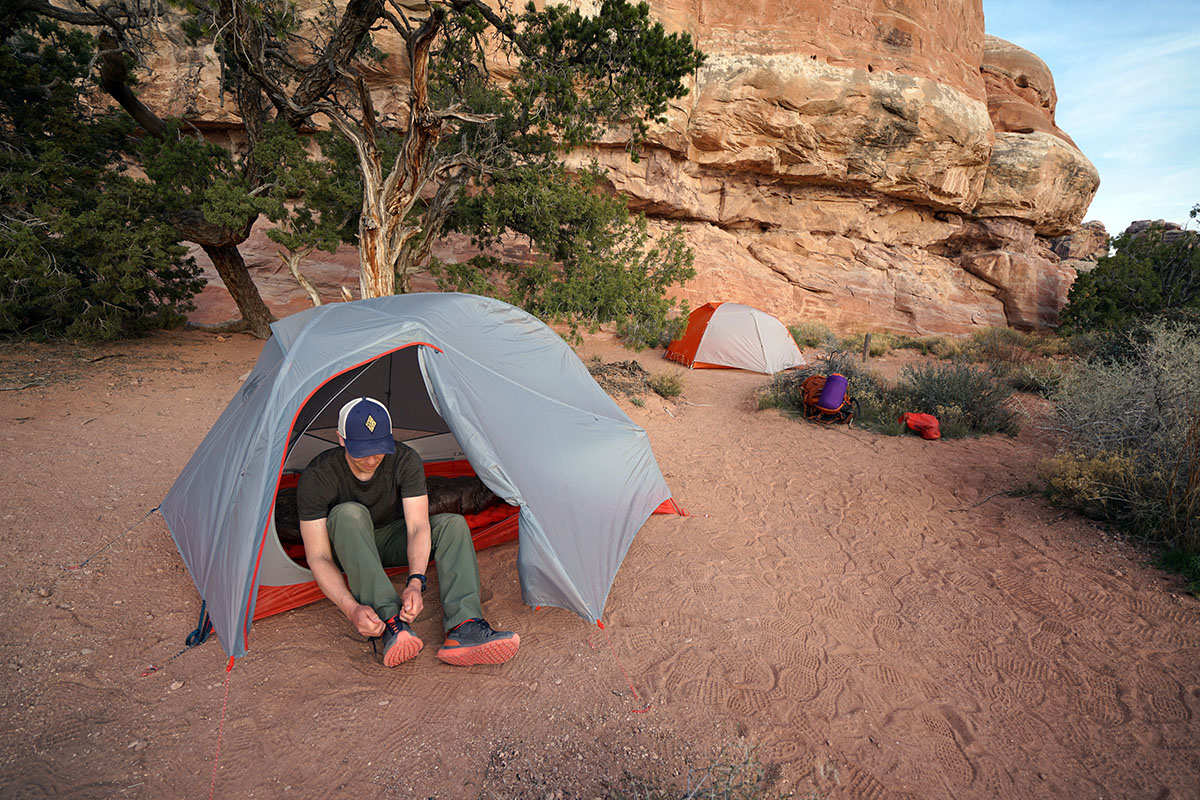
x,y
328,481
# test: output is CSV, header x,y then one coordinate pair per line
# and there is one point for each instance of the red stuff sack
x,y
924,424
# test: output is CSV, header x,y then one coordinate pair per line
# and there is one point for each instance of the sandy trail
x,y
865,610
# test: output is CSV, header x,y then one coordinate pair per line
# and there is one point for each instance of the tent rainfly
x,y
466,379
731,335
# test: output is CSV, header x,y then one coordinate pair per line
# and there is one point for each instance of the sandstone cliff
x,y
866,164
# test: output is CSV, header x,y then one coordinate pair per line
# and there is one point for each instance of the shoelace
x,y
389,624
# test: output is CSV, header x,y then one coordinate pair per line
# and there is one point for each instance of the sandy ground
x,y
866,612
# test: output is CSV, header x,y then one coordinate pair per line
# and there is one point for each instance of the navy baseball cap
x,y
366,427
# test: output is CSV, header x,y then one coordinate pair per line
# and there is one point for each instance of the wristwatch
x,y
417,575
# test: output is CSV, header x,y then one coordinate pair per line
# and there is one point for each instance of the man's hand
x,y
366,621
411,602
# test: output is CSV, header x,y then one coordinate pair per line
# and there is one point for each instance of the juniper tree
x,y
476,154
84,252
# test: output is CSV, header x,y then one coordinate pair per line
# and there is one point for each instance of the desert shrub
x,y
666,385
783,392
1139,409
967,400
881,343
946,348
925,345
998,346
1037,377
1050,344
1099,486
811,334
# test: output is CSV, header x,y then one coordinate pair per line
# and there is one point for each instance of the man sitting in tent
x,y
363,506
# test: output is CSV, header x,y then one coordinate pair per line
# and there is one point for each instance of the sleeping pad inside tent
x,y
477,388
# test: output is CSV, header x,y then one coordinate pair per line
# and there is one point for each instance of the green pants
x,y
363,551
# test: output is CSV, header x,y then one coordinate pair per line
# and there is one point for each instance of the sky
x,y
1126,76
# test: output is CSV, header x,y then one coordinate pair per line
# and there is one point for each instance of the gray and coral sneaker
x,y
474,642
399,642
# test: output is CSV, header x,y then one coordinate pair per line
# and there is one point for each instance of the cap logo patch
x,y
370,423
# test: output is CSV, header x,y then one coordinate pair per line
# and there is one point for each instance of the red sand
x,y
865,611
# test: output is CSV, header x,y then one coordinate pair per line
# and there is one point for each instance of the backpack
x,y
818,409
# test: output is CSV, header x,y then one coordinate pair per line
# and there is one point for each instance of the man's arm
x,y
416,520
319,554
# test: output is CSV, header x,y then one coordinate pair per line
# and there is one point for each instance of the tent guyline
x,y
113,541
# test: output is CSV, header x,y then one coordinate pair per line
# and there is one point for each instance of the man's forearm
x,y
419,545
333,585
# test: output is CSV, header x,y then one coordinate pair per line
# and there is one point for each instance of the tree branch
x,y
88,19
114,79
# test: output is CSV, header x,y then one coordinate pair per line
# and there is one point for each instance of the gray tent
x,y
463,376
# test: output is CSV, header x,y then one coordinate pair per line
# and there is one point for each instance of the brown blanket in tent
x,y
465,496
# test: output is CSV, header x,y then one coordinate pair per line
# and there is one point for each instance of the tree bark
x,y
382,234
230,265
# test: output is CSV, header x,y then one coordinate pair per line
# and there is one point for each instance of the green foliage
x,y
83,250
1130,427
194,175
1185,563
579,72
967,400
596,262
577,76
1145,276
808,335
667,385
314,200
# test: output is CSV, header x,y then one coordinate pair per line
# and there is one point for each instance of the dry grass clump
x,y
631,379
811,334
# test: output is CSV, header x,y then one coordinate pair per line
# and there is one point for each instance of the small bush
x,y
1129,422
811,334
1100,486
999,346
667,385
925,345
1038,377
966,400
881,344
